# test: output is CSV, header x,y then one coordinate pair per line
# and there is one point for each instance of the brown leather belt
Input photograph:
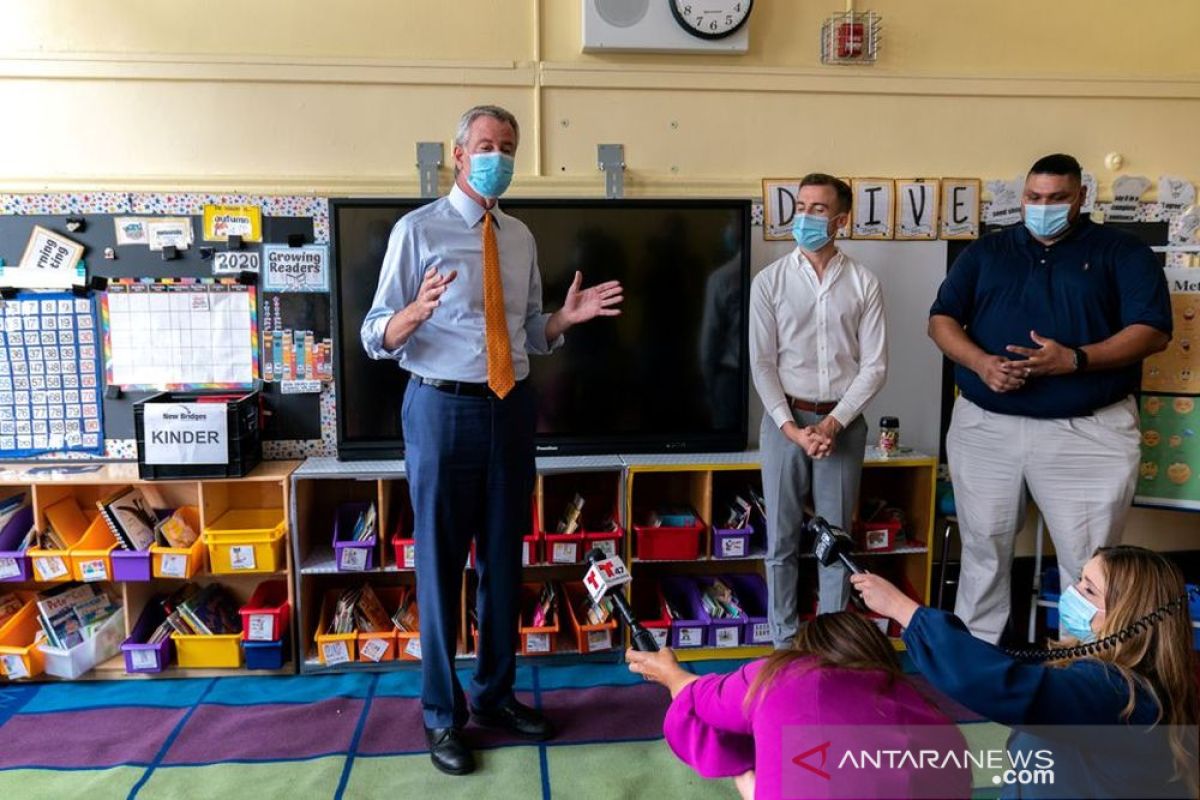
x,y
812,408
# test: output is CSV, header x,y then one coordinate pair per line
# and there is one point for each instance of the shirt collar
x,y
471,212
832,270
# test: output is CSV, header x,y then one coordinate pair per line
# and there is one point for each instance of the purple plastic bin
x,y
131,565
731,542
13,562
690,630
752,592
356,556
721,632
140,656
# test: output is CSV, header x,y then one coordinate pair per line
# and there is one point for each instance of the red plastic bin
x,y
265,617
668,544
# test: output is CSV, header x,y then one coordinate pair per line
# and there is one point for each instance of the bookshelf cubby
x,y
265,488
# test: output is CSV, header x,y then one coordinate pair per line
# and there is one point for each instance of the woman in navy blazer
x,y
1142,689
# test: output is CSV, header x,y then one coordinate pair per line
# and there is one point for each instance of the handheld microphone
x,y
831,544
605,574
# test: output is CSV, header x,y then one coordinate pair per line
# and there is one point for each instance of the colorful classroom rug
x,y
343,736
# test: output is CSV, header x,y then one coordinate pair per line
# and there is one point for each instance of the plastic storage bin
x,y
731,542
245,437
333,648
405,551
217,651
131,565
246,540
565,548
91,557
14,563
349,555
668,543
751,590
19,640
265,616
723,631
589,638
83,657
54,565
690,628
180,562
142,656
265,655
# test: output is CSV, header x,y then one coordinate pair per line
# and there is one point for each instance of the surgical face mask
x,y
490,173
1076,613
810,231
1047,221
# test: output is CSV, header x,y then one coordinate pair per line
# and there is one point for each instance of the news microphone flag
x,y
606,574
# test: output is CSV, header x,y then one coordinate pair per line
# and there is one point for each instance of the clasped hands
x,y
1002,374
816,440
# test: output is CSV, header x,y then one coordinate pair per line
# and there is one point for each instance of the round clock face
x,y
711,19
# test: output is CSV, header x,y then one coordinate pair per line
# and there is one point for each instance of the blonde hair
x,y
1158,656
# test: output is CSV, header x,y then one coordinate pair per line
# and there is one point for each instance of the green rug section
x,y
52,784
273,779
506,772
620,770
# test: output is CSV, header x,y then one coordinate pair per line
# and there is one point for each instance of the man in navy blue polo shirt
x,y
1047,323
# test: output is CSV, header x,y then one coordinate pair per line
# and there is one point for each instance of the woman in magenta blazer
x,y
778,724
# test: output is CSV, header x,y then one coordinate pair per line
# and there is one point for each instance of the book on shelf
x,y
739,513
544,610
672,517
364,525
9,507
569,521
10,604
174,531
720,601
130,517
369,615
405,619
594,613
195,610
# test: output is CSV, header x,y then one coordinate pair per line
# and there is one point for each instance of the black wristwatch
x,y
1081,360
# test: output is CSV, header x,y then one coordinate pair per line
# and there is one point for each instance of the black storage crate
x,y
245,437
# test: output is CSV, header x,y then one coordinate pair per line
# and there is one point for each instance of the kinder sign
x,y
186,433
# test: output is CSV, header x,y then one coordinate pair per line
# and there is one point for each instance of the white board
x,y
909,273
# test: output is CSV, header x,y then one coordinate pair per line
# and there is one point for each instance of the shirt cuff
x,y
535,336
374,340
781,413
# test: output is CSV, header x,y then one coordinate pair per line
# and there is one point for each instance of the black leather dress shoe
x,y
448,751
517,718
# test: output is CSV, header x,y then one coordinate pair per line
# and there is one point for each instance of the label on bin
x,y
607,546
599,640
143,659
335,652
734,547
93,570
410,556
413,648
173,565
691,637
762,631
727,637
14,666
261,628
525,554
9,568
564,552
537,643
661,635
353,558
374,649
185,433
242,556
48,568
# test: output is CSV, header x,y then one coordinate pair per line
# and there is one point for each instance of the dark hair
x,y
845,198
1057,164
839,640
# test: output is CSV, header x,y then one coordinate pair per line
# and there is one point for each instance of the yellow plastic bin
x,y
91,558
246,540
72,522
333,648
180,562
19,640
217,651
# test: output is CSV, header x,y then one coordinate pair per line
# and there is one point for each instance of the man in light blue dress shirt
x,y
469,447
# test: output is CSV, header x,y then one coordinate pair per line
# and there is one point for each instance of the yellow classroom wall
x,y
330,98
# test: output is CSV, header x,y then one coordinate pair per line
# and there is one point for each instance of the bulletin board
x,y
296,424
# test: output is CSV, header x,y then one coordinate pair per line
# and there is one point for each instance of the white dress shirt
x,y
817,340
448,234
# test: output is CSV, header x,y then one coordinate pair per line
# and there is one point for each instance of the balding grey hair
x,y
472,114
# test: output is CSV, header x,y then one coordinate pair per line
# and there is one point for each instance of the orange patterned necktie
x,y
495,327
